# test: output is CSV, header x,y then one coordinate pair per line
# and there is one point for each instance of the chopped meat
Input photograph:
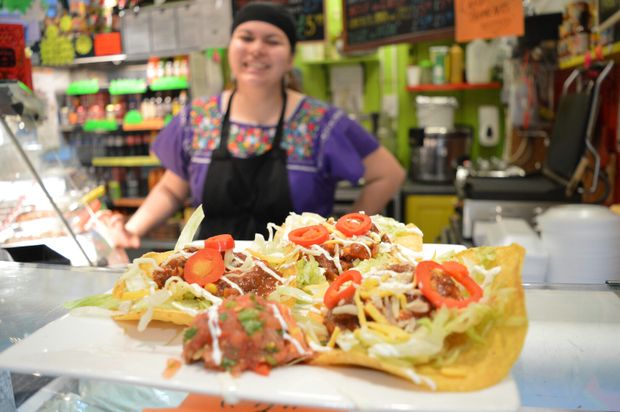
x,y
356,251
174,267
420,307
331,272
256,280
444,285
401,268
344,321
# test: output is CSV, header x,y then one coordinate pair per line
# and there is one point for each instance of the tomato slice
x,y
221,243
204,266
335,294
424,272
262,369
455,269
354,224
309,235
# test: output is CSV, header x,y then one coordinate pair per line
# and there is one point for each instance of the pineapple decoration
x,y
56,46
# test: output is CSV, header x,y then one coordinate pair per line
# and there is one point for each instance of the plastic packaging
x,y
456,64
477,62
439,57
426,75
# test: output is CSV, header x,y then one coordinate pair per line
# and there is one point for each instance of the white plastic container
x,y
436,111
413,75
583,242
478,61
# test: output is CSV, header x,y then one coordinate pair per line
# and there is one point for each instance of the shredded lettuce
x,y
371,265
393,227
289,291
106,301
190,229
308,273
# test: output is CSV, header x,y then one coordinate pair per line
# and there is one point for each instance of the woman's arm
x,y
383,177
163,200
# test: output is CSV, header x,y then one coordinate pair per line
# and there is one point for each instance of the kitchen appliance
x,y
435,111
436,152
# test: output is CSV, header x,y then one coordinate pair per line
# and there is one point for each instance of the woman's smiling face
x,y
259,54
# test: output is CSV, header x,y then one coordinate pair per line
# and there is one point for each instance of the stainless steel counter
x,y
571,359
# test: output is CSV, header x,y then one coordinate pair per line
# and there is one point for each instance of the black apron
x,y
241,196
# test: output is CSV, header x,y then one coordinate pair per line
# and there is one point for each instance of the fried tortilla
x,y
474,363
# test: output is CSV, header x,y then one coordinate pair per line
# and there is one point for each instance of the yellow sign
x,y
486,19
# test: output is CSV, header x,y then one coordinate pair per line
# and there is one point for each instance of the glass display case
x,y
49,204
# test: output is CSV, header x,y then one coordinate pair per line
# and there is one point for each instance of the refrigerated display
x,y
49,202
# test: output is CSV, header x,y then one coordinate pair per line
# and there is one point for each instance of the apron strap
x,y
225,130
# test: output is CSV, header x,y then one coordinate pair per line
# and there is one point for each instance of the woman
x,y
252,155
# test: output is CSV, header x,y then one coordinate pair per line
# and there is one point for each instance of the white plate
x,y
91,347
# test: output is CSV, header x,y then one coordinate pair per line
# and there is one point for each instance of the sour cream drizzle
x,y
216,332
179,253
285,334
233,284
337,258
417,379
319,348
269,271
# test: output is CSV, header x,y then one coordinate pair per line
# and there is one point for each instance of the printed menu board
x,y
368,24
308,14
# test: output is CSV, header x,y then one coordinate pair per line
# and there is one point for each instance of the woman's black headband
x,y
270,13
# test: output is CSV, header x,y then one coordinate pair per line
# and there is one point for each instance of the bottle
x,y
438,56
477,65
151,69
456,64
132,182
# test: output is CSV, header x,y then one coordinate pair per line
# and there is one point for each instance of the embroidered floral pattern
x,y
249,140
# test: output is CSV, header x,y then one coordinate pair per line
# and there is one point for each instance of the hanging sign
x,y
369,24
486,19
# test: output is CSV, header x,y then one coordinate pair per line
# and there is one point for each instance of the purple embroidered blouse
x,y
324,146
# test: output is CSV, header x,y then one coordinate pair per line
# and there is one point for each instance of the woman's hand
x,y
383,178
115,223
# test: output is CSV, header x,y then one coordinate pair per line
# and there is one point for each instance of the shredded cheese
x,y
393,333
375,314
332,339
361,316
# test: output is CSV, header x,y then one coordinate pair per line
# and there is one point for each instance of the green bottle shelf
x,y
80,87
169,83
127,86
93,125
126,161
